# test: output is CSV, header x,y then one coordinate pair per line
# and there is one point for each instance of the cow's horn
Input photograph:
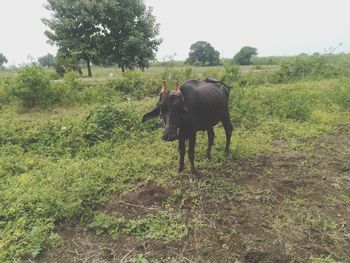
x,y
163,86
177,86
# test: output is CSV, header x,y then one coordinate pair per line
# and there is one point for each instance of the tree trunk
x,y
89,67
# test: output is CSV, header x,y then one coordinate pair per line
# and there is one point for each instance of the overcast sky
x,y
274,27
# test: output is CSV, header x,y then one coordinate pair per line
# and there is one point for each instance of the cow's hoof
x,y
195,174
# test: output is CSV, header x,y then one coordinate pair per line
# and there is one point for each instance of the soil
x,y
285,207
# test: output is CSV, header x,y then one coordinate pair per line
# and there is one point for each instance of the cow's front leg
x,y
182,151
192,144
211,135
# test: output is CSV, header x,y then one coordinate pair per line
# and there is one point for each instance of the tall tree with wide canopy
x,y
203,53
122,32
244,55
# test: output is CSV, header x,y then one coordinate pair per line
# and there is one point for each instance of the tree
x,y
203,53
122,32
63,63
244,55
3,60
47,60
130,32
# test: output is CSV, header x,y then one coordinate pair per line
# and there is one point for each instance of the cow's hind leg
x,y
228,130
211,135
192,144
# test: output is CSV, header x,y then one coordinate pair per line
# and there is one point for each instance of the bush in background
x,y
304,67
135,84
32,86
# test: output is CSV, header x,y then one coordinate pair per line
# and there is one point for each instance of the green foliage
x,y
303,67
165,225
3,60
203,53
231,73
4,93
340,96
244,56
65,63
252,106
108,32
73,81
47,60
139,258
106,223
135,85
289,104
177,75
119,123
102,123
265,60
60,164
32,86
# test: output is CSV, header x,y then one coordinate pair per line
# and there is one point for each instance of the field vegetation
x,y
83,180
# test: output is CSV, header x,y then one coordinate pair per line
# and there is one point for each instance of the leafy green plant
x,y
139,258
231,73
32,86
106,223
164,225
111,122
288,104
101,123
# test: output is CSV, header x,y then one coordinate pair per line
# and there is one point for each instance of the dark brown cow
x,y
197,105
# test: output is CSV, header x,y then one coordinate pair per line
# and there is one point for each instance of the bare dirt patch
x,y
145,198
290,207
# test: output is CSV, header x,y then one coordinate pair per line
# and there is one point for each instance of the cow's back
x,y
207,102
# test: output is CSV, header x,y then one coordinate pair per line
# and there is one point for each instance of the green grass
x,y
51,172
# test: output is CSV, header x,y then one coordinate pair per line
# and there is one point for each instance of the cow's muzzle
x,y
171,134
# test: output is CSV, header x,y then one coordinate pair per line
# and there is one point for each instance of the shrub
x,y
101,122
116,123
231,72
244,108
341,96
66,91
4,96
73,81
303,67
32,86
134,84
289,104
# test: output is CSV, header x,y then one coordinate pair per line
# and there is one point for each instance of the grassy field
x,y
82,180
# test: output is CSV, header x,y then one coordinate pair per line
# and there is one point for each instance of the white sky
x,y
274,27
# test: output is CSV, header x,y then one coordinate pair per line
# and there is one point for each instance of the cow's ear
x,y
152,114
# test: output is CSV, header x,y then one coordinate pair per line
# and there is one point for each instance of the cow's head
x,y
171,108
